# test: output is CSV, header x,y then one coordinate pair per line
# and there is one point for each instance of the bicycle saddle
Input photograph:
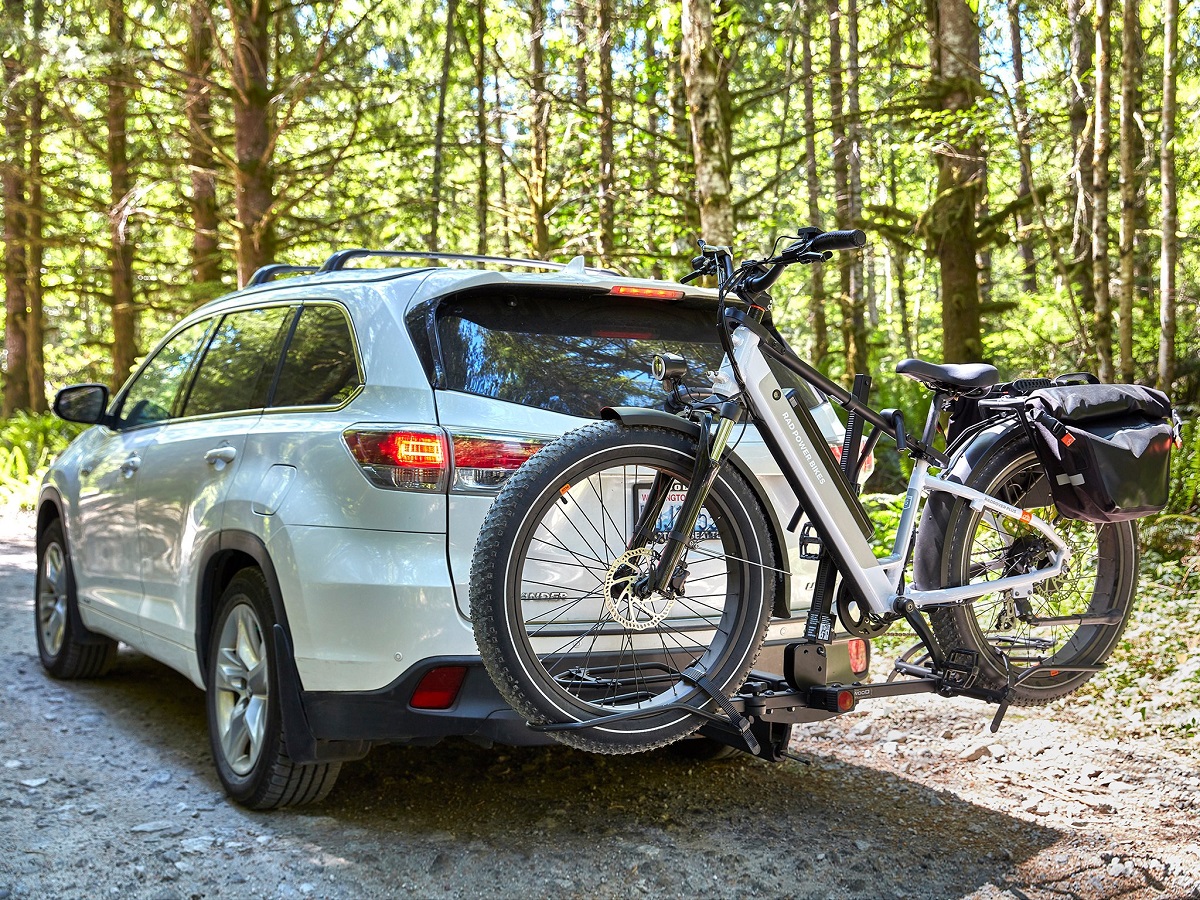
x,y
965,377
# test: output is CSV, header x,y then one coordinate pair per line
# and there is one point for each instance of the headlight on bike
x,y
669,365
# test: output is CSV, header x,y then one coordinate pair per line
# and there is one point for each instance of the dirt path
x,y
107,789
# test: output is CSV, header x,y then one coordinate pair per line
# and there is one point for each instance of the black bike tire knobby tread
x,y
950,624
492,542
286,783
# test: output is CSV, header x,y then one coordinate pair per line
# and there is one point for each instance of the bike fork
x,y
668,571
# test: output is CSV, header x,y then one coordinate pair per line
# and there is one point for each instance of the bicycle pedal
x,y
960,669
809,542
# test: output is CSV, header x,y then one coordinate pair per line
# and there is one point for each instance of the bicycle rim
x,y
594,647
1058,622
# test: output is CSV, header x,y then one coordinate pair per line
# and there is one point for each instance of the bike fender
x,y
636,415
931,532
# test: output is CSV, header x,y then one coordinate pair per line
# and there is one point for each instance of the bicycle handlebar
x,y
838,240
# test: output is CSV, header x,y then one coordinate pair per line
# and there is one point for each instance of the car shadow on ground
x,y
665,823
460,819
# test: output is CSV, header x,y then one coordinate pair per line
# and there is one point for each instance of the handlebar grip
x,y
839,240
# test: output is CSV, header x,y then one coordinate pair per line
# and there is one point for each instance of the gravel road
x,y
107,789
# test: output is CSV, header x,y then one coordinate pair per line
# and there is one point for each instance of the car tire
x,y
245,722
66,647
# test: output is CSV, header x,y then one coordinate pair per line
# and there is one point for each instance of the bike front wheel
x,y
1070,622
561,627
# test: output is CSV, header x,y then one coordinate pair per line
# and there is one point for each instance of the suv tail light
x,y
860,656
868,466
483,462
406,459
411,458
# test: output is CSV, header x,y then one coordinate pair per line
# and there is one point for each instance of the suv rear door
x,y
105,534
518,360
187,471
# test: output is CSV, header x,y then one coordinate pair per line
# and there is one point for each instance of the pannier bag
x,y
1106,448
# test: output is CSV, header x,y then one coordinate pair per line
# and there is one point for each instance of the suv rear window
x,y
572,353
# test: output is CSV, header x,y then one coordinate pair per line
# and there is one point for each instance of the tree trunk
x,y
705,79
206,251
1170,203
16,322
653,150
841,177
582,41
952,229
502,174
1131,76
539,204
481,128
606,199
120,251
784,187
1025,241
252,127
35,356
1102,117
439,128
1082,43
856,359
819,345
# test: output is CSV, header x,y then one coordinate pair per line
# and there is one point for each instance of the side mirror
x,y
84,403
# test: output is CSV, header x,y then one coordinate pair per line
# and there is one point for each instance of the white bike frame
x,y
821,490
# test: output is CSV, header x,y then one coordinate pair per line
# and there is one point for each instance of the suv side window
x,y
320,368
154,394
240,362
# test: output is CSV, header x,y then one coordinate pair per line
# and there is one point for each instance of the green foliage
x,y
1151,683
1176,532
28,444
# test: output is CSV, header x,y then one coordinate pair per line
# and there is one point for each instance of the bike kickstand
x,y
697,677
1000,711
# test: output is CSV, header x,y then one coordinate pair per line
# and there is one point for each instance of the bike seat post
x,y
931,419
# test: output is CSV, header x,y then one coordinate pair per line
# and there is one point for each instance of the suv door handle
x,y
132,463
220,455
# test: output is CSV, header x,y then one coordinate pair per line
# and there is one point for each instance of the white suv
x,y
282,502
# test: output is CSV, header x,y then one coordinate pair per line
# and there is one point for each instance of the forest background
x,y
1026,171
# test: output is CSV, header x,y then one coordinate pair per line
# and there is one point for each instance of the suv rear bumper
x,y
386,715
328,725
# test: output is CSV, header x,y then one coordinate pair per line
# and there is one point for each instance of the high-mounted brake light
x,y
632,290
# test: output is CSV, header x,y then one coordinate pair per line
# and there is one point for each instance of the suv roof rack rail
x,y
268,273
339,259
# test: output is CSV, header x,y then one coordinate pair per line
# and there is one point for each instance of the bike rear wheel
x,y
1074,619
560,627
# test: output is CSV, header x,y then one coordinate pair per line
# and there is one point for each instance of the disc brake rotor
x,y
621,600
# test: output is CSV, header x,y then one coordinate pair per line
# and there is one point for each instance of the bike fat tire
x,y
1101,578
540,531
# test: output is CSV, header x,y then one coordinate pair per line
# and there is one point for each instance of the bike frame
x,y
823,493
